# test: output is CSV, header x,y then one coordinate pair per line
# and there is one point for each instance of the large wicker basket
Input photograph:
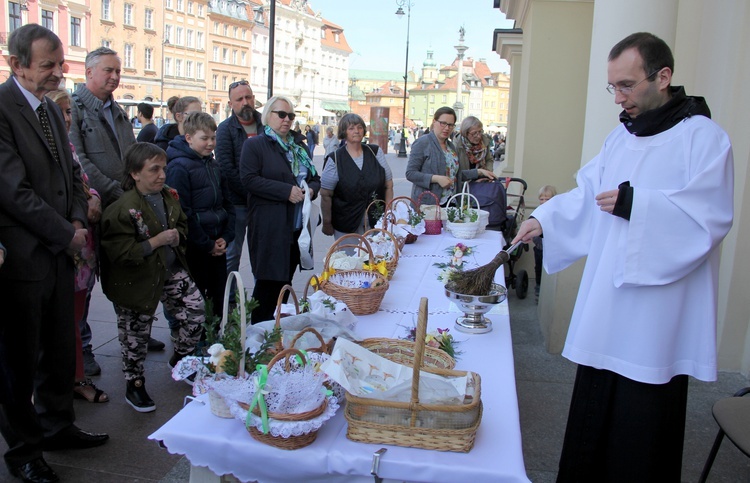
x,y
429,426
216,402
402,352
433,224
292,442
361,301
393,262
467,229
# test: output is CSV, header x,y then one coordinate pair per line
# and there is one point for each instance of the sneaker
x,y
155,345
137,397
90,366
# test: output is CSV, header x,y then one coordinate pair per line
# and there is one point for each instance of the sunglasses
x,y
237,84
284,114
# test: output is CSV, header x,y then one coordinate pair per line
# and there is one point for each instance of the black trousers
x,y
620,430
38,356
210,275
266,292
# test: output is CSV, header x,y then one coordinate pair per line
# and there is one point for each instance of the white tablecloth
x,y
225,447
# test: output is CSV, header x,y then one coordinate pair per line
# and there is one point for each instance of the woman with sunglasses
x,y
273,165
433,163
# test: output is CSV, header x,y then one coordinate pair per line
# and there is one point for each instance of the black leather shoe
x,y
137,397
35,471
74,437
155,345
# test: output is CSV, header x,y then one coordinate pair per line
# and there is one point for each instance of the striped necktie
x,y
44,121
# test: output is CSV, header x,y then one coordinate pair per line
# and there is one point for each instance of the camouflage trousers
x,y
181,299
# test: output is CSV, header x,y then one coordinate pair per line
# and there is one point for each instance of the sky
x,y
377,35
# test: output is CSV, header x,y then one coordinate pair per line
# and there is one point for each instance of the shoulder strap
x,y
373,149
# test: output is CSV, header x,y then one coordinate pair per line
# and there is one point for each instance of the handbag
x,y
310,221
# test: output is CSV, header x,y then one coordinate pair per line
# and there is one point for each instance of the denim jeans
x,y
234,250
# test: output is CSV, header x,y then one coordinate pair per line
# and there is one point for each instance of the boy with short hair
x,y
148,128
196,176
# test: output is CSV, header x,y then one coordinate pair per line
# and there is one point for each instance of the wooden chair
x,y
732,414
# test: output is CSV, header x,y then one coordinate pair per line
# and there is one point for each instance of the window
x,y
75,32
234,57
224,82
244,58
189,38
168,34
225,55
215,82
445,98
190,7
48,19
216,27
178,36
199,70
106,9
148,59
128,14
14,16
432,97
322,33
189,68
236,31
178,67
255,75
502,105
128,56
107,44
226,30
336,37
167,66
199,40
168,4
216,54
200,10
180,5
244,34
148,22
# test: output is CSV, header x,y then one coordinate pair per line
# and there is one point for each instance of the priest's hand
x,y
606,200
528,230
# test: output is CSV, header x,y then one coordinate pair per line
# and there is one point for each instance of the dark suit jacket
x,y
39,197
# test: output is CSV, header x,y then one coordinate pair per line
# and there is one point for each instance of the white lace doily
x,y
354,279
285,429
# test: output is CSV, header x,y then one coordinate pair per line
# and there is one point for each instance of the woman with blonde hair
x,y
273,165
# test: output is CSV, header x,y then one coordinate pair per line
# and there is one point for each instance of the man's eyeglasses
x,y
446,124
625,91
284,114
237,84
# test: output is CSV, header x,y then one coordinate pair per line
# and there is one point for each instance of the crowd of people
x,y
164,219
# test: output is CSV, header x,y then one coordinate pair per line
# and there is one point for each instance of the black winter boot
x,y
137,397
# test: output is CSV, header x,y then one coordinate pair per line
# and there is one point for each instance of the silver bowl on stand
x,y
474,307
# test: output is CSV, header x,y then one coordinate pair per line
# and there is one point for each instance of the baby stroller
x,y
516,213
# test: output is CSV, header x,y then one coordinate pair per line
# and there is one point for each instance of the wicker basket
x,y
433,224
216,402
361,301
372,206
429,426
292,442
393,262
467,229
410,238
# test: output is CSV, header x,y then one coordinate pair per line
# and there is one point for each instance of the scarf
x,y
295,153
663,118
475,152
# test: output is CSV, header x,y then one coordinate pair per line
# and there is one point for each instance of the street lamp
x,y
400,13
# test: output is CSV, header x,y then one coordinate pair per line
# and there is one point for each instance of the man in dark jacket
x,y
148,128
230,136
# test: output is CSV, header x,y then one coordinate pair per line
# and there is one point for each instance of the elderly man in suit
x,y
42,223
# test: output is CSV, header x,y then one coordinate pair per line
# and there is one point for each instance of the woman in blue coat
x,y
272,167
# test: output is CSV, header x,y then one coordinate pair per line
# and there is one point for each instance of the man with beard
x,y
230,136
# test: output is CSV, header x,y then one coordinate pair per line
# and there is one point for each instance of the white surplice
x,y
646,308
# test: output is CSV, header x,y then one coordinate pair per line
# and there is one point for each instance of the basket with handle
x,y
388,237
360,300
292,442
433,224
375,204
441,427
412,206
389,220
484,215
217,404
465,229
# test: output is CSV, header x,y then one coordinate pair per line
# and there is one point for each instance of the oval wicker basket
x,y
361,301
393,262
466,229
292,442
217,404
403,351
409,238
433,224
